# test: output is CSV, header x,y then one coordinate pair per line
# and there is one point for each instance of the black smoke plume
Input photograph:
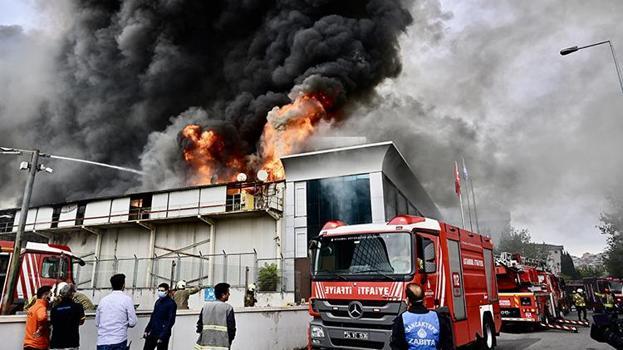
x,y
128,75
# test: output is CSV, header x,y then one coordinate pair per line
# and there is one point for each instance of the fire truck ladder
x,y
559,327
573,322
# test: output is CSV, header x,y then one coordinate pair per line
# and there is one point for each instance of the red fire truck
x,y
616,286
359,275
523,298
529,294
42,264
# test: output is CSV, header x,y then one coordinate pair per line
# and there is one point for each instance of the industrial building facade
x,y
229,232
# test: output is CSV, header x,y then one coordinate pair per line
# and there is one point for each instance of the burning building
x,y
229,231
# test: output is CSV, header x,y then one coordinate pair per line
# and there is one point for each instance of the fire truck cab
x,y
360,272
528,293
42,265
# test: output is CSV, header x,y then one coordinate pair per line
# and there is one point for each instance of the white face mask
x,y
162,294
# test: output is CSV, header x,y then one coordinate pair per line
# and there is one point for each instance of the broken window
x,y
140,206
82,207
56,216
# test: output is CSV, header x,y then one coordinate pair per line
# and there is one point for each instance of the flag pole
x,y
471,185
469,207
457,186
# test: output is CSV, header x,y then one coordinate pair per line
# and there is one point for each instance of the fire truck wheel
x,y
487,342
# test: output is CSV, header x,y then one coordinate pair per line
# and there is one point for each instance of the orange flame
x,y
285,132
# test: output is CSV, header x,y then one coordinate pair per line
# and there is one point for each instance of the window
x,y
4,267
82,207
6,221
396,203
56,216
50,267
140,207
369,254
428,254
344,198
54,267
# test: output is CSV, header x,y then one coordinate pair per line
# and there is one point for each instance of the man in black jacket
x,y
158,330
421,327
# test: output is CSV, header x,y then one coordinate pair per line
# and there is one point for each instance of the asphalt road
x,y
550,339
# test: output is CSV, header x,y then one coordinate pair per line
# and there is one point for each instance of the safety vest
x,y
214,335
421,330
608,300
578,300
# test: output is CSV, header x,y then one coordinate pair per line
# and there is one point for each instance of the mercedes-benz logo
x,y
355,309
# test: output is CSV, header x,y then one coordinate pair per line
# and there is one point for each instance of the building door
x,y
302,282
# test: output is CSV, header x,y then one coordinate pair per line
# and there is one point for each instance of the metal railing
x,y
237,269
266,196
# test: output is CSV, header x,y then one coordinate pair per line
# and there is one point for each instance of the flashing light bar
x,y
333,224
406,220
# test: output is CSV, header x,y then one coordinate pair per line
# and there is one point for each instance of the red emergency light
x,y
333,224
406,220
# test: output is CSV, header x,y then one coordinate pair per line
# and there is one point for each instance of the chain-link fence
x,y
239,270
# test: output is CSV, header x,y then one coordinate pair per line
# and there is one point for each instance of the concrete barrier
x,y
283,328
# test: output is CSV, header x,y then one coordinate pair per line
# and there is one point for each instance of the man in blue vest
x,y
419,328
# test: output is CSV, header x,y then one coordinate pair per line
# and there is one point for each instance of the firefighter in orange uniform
x,y
37,334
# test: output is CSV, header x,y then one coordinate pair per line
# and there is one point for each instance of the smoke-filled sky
x,y
482,79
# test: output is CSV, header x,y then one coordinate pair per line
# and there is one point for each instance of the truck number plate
x,y
356,335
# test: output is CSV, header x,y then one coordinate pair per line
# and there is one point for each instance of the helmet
x,y
66,290
251,287
580,290
56,290
181,284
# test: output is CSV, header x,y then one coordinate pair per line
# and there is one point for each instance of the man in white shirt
x,y
114,315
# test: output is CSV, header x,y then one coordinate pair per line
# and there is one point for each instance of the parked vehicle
x,y
359,275
41,264
523,295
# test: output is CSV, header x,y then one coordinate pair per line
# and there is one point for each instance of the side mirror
x,y
314,245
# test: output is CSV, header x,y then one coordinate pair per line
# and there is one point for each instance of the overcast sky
x,y
484,80
552,124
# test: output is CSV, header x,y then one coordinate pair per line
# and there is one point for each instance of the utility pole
x,y
14,267
33,168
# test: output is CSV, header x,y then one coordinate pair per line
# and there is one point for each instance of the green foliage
x,y
612,226
268,278
567,268
592,271
520,241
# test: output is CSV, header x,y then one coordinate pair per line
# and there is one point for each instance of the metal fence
x,y
237,269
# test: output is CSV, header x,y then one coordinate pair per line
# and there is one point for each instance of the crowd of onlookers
x,y
54,318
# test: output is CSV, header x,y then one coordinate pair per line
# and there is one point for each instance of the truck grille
x,y
358,343
375,313
510,312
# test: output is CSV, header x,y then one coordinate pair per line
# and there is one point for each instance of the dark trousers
x,y
151,343
581,309
120,346
30,348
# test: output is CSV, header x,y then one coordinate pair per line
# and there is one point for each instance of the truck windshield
x,y
364,255
616,287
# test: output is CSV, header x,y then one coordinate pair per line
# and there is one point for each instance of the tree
x,y
268,278
567,268
513,240
519,241
591,271
612,226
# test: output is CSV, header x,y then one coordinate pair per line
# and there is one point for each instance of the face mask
x,y
162,294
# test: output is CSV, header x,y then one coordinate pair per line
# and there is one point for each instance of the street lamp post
x,y
573,49
33,168
13,272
